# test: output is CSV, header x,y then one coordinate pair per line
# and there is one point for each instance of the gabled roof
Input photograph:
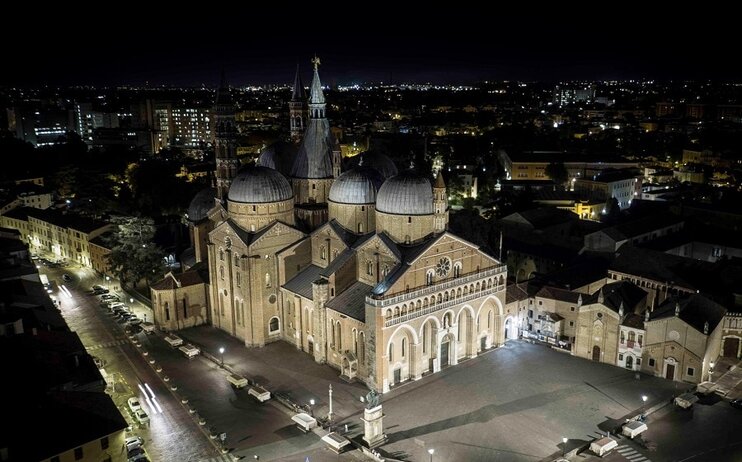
x,y
554,293
617,293
409,253
695,309
338,262
352,301
516,293
644,225
199,274
301,284
633,320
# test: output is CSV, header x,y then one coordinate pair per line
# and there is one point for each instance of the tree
x,y
134,255
557,172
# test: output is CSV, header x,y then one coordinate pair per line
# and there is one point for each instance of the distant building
x,y
622,185
66,236
40,126
571,94
532,165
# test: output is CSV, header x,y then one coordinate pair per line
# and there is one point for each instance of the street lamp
x,y
644,399
431,451
564,447
108,279
131,300
311,407
221,352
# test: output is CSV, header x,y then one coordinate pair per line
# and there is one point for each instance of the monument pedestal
x,y
373,433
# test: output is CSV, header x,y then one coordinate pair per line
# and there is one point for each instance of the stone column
x,y
319,296
416,361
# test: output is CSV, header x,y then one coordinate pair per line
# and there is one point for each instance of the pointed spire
x,y
316,96
297,93
706,328
360,160
677,308
600,296
646,316
439,183
579,297
222,93
620,309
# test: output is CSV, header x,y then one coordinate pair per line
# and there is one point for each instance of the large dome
x,y
406,194
373,158
257,185
356,186
278,156
201,204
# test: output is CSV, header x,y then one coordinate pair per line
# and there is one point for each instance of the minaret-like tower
x,y
296,108
225,140
317,162
440,204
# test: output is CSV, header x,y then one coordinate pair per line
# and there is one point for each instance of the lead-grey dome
x,y
377,160
356,186
278,156
257,185
406,194
201,204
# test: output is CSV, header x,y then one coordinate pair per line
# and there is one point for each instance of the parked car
x,y
189,350
134,439
134,404
736,403
173,340
132,453
141,416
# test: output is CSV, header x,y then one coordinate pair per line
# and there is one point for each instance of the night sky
x,y
256,46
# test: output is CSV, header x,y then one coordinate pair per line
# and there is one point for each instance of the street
x,y
171,434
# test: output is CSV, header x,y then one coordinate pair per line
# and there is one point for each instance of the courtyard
x,y
515,403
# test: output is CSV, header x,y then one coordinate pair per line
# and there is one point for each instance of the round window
x,y
600,315
443,267
272,298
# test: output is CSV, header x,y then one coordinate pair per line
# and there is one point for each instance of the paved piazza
x,y
515,403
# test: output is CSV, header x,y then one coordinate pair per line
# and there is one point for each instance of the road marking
x,y
222,458
106,345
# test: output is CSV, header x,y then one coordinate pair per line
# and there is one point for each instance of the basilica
x,y
355,268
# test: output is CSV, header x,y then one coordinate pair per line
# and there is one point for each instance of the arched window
x,y
238,311
404,346
370,268
385,271
332,328
457,269
167,311
404,309
362,355
388,312
221,272
429,277
274,326
267,279
339,336
632,336
221,255
489,319
355,342
360,228
323,253
236,260
306,319
237,278
396,311
391,352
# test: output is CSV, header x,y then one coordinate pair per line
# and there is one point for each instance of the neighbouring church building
x,y
355,268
